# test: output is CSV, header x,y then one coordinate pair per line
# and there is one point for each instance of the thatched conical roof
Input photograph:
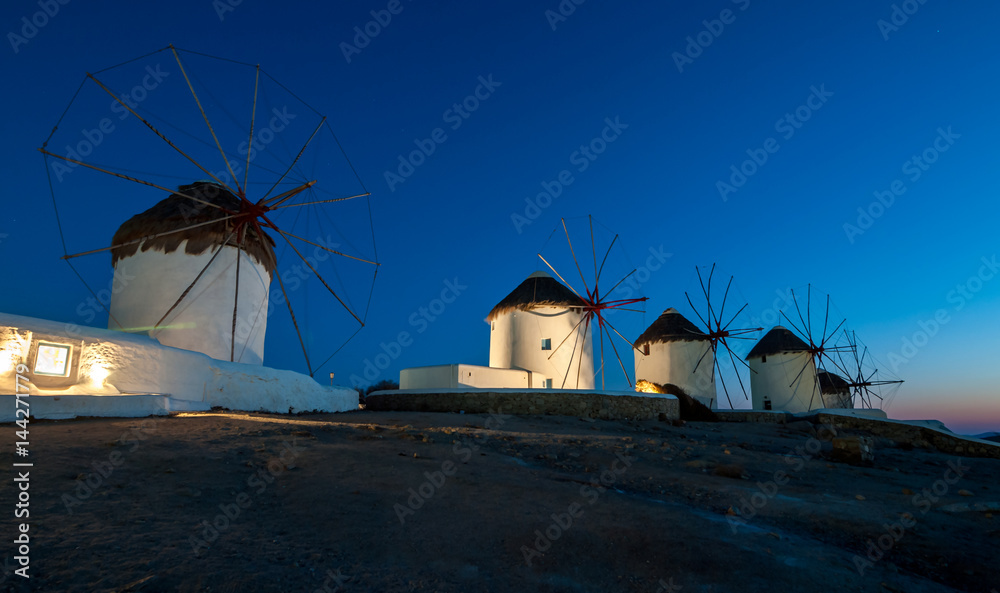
x,y
537,290
831,382
178,211
670,326
777,340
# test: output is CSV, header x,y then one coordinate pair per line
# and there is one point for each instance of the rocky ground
x,y
389,501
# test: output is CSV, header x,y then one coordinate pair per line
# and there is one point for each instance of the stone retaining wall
x,y
581,404
901,432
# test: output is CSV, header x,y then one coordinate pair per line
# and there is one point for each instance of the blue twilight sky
x,y
843,99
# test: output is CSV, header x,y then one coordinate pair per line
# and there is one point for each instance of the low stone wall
x,y
897,430
918,436
581,404
760,416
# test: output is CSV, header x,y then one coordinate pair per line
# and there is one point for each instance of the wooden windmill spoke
x,y
695,309
726,327
792,323
288,195
315,271
707,292
725,295
808,321
600,331
132,179
626,340
571,333
597,278
253,120
195,281
236,299
297,157
207,122
573,253
738,378
327,249
148,237
624,278
160,134
722,380
710,347
291,312
364,195
739,358
558,275
620,363
603,261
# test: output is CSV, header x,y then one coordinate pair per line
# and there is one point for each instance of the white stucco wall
x,y
455,376
674,362
776,380
131,363
151,282
516,343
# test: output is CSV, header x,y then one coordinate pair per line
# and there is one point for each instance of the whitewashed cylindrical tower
x,y
783,373
171,287
835,390
669,351
528,326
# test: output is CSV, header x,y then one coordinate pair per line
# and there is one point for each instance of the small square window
x,y
546,343
53,359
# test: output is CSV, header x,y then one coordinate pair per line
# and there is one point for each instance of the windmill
x,y
868,383
821,368
595,304
236,181
719,331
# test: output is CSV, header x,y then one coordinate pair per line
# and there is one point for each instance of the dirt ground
x,y
390,501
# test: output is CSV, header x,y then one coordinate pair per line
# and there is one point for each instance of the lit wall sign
x,y
53,359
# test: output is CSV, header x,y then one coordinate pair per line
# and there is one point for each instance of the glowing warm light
x,y
98,374
643,386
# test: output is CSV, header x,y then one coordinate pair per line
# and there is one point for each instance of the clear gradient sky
x,y
845,100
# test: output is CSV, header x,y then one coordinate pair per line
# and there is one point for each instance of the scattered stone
x,y
731,471
853,450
